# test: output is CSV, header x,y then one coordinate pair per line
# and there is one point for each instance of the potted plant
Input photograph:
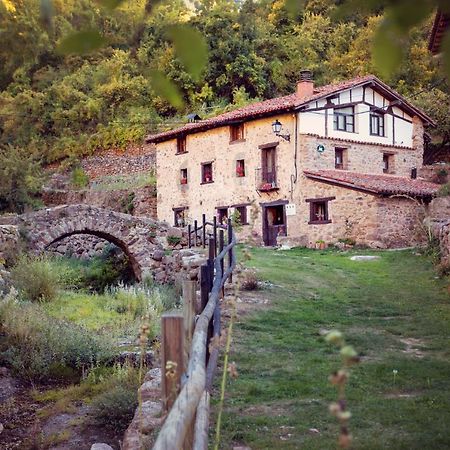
x,y
265,187
320,244
240,171
208,177
184,181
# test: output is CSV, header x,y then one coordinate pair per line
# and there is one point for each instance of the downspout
x,y
294,177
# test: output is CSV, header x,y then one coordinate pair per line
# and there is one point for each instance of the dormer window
x,y
181,145
376,124
237,132
344,119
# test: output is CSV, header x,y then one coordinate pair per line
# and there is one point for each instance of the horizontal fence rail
x,y
187,422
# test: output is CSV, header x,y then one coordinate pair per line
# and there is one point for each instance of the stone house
x,y
329,163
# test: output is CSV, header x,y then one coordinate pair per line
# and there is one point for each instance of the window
x,y
222,215
376,124
237,132
181,145
240,168
344,119
318,210
388,163
183,176
180,216
207,172
340,158
242,214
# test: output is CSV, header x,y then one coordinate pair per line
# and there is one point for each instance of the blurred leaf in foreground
x,y
81,43
166,88
387,49
190,48
46,14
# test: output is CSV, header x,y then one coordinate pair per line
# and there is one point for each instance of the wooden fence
x,y
188,361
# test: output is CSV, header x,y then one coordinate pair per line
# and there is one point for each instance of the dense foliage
x,y
59,107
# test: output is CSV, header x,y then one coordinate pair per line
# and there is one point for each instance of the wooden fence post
x,y
189,236
215,235
204,230
172,334
189,301
230,253
195,232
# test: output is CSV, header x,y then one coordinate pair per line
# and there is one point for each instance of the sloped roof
x,y
375,184
440,25
285,104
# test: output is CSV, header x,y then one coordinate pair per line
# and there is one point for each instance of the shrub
x,y
35,278
20,179
79,178
249,281
114,408
173,240
444,190
38,346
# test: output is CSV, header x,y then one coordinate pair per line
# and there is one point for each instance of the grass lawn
x,y
394,311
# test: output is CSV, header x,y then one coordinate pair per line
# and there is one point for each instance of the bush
x,y
35,278
79,178
37,346
114,408
173,240
20,179
249,281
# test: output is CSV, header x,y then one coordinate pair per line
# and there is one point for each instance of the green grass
x,y
88,310
115,182
283,391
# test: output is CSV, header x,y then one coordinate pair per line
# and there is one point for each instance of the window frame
x,y
181,145
343,154
176,212
240,166
237,132
313,204
389,158
183,172
203,172
380,124
338,116
243,218
220,215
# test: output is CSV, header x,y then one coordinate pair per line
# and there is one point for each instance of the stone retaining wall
x,y
138,202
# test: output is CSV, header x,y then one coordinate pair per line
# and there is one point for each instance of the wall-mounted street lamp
x,y
277,127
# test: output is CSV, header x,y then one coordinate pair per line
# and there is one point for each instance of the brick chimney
x,y
305,86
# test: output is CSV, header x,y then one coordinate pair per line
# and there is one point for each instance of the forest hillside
x,y
57,107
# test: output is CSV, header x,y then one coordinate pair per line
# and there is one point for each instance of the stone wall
x,y
134,159
9,244
436,173
143,200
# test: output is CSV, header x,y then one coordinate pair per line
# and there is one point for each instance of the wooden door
x,y
268,165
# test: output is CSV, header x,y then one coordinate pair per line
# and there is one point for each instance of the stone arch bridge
x,y
143,240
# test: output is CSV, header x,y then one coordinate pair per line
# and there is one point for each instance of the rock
x,y
190,262
151,416
158,255
153,374
364,258
1,428
175,232
101,446
160,277
4,372
285,247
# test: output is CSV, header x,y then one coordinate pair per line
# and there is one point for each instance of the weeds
x,y
35,278
249,280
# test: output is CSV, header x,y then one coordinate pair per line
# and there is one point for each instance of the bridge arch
x,y
136,236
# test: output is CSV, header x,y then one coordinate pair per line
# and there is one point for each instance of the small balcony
x,y
266,180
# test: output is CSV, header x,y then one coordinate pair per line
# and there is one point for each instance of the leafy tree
x,y
20,179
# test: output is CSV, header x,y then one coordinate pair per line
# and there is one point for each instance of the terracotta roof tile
x,y
274,106
376,184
